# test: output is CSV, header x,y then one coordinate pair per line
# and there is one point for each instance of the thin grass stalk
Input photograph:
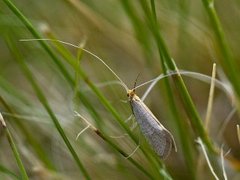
x,y
16,155
34,143
28,74
30,27
227,61
184,9
72,61
117,148
181,127
185,96
139,31
210,99
14,149
8,172
10,89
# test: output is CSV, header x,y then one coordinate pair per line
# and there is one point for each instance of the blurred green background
x,y
125,35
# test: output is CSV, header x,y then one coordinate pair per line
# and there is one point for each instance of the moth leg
x,y
134,125
129,118
135,150
119,136
82,131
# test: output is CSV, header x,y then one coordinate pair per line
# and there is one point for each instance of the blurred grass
x,y
131,37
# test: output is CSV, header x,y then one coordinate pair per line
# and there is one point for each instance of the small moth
x,y
160,139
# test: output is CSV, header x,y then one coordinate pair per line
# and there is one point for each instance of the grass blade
x,y
14,149
185,96
227,61
8,172
47,107
24,130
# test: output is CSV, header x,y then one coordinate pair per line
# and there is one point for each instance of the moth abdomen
x,y
160,139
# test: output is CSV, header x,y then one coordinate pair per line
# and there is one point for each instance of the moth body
x,y
160,139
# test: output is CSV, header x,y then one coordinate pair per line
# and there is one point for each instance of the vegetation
x,y
66,116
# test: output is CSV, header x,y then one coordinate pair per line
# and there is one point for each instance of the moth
x,y
160,139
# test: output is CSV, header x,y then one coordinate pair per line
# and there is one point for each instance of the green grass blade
x,y
14,149
227,61
30,27
117,148
9,88
16,155
139,30
8,172
33,141
185,96
181,127
47,107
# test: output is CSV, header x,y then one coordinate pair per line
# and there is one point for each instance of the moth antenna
x,y
196,75
135,83
85,50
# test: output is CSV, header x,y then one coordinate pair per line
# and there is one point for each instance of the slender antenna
x,y
85,50
135,83
199,76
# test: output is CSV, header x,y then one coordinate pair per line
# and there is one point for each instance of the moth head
x,y
130,94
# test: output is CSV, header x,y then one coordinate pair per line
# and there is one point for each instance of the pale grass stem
x,y
199,141
223,166
210,99
238,133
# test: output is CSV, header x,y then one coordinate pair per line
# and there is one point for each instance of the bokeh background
x,y
119,33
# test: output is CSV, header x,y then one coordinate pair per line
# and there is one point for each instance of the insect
x,y
159,138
